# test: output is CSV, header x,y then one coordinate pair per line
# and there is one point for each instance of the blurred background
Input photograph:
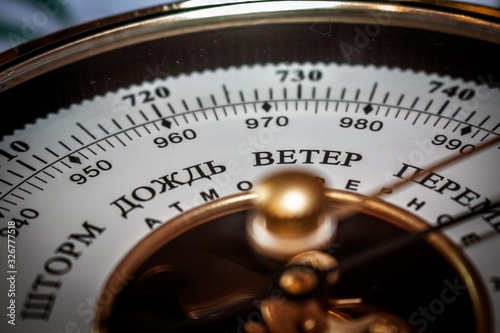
x,y
24,20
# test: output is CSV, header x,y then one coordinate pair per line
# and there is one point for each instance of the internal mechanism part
x,y
300,276
305,273
198,273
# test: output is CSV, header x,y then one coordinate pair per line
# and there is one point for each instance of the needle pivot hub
x,y
290,216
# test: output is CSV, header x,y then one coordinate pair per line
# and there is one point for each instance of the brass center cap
x,y
291,203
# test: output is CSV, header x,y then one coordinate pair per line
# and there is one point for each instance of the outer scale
x,y
121,129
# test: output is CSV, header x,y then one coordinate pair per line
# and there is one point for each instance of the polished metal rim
x,y
175,21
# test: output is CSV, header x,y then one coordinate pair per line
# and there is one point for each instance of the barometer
x,y
254,166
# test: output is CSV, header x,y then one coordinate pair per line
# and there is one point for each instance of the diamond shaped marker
x,y
266,106
368,109
466,130
74,159
166,123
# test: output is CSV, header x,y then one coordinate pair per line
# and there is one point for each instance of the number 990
x,y
452,144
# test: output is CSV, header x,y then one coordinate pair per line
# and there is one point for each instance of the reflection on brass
x,y
346,302
293,317
230,284
386,323
318,260
291,203
299,317
253,327
298,280
373,323
156,270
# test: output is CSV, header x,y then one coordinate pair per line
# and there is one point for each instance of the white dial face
x,y
80,188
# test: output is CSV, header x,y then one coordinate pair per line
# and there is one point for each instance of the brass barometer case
x,y
137,153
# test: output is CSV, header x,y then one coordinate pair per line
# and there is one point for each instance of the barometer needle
x,y
406,240
387,248
350,209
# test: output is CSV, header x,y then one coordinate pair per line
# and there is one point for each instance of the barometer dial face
x,y
111,133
